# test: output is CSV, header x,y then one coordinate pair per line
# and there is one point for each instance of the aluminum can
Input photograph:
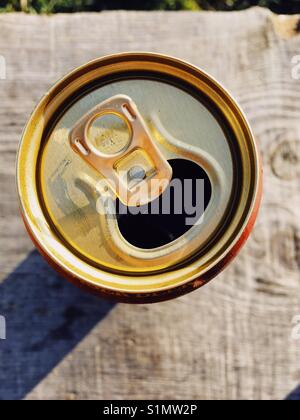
x,y
139,177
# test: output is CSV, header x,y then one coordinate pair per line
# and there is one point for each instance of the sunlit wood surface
x,y
229,340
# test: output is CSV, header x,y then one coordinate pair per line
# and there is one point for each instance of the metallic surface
x,y
189,115
112,161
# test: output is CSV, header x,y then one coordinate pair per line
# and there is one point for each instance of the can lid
x,y
145,172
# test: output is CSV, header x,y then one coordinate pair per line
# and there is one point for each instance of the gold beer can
x,y
139,177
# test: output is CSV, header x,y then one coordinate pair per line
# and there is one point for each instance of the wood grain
x,y
228,340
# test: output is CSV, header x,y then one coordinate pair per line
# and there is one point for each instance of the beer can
x,y
139,177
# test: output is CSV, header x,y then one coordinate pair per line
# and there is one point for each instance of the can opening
x,y
173,213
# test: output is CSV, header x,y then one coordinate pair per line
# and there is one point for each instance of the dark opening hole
x,y
148,230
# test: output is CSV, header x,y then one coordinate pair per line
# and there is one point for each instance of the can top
x,y
113,140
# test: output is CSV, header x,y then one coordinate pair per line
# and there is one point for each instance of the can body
x,y
117,124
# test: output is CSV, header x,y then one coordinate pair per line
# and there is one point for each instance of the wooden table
x,y
228,340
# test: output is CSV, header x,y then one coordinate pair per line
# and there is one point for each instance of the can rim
x,y
181,272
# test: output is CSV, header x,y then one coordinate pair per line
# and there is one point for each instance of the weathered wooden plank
x,y
230,339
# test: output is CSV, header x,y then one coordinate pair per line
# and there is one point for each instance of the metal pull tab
x,y
114,138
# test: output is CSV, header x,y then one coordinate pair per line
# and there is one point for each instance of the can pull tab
x,y
114,138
